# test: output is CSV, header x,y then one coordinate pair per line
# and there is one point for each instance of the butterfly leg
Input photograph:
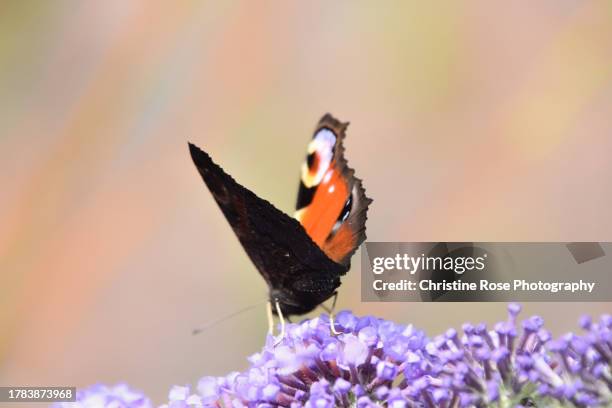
x,y
332,323
270,318
331,314
281,336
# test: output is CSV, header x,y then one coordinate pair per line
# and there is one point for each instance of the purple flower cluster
x,y
374,362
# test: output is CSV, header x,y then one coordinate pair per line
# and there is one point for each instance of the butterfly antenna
x,y
226,317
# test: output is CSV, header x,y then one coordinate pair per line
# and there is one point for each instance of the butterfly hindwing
x,y
300,275
331,205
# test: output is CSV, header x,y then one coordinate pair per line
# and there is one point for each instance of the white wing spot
x,y
323,146
327,177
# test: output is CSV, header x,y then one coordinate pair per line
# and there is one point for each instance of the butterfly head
x,y
289,307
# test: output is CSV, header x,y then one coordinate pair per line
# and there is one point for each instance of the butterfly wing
x,y
297,271
331,205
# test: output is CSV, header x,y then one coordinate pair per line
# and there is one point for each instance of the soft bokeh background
x,y
469,121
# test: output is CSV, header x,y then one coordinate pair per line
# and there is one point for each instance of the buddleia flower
x,y
379,363
375,362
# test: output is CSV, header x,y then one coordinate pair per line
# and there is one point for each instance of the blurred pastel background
x,y
470,121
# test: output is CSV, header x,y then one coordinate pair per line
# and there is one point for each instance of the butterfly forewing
x,y
331,205
300,275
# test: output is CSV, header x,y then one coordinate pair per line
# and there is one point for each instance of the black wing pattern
x,y
299,274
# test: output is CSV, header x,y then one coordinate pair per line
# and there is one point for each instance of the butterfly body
x,y
299,271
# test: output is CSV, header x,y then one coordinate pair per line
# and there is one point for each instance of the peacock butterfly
x,y
301,258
